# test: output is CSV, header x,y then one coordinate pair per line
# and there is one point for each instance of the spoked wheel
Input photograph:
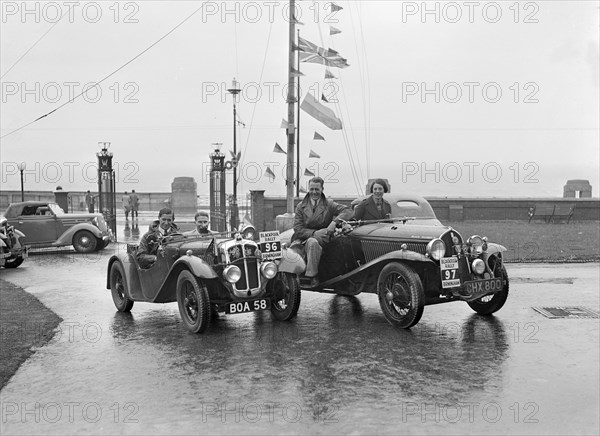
x,y
401,295
84,242
193,301
489,304
13,261
285,291
118,288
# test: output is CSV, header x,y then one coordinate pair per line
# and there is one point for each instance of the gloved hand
x,y
320,233
331,228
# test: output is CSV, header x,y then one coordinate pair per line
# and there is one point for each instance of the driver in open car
x,y
150,243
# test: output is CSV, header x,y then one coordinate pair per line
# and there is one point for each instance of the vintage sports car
x,y
412,261
207,275
12,252
47,225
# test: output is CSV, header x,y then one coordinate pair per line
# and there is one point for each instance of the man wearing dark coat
x,y
314,224
374,207
149,244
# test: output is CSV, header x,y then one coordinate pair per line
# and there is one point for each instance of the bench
x,y
550,212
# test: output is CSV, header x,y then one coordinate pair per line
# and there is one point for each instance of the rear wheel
x,y
84,242
193,302
13,261
285,291
489,304
118,288
401,295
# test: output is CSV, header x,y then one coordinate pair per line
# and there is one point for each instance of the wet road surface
x,y
338,367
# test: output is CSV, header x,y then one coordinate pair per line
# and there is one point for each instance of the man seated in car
x,y
314,224
149,244
374,207
201,220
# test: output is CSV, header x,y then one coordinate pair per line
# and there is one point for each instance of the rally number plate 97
x,y
248,306
449,270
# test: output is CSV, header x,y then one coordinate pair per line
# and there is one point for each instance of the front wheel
x,y
193,302
489,304
84,242
118,288
401,295
13,261
285,291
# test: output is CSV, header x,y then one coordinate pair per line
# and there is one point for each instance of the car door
x,y
38,228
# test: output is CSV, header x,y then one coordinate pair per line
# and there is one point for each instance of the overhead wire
x,y
34,44
109,75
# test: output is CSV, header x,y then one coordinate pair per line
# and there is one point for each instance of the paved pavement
x,y
339,367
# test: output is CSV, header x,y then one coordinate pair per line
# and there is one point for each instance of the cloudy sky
x,y
441,98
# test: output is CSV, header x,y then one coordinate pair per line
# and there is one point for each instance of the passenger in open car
x,y
149,244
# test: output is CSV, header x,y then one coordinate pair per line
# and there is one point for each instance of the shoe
x,y
314,282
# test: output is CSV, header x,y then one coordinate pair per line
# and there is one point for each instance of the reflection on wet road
x,y
339,367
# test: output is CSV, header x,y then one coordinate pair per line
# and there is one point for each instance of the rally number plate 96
x,y
248,306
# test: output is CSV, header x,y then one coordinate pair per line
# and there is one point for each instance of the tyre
x,y
193,302
284,289
118,288
401,295
13,261
101,244
489,304
84,242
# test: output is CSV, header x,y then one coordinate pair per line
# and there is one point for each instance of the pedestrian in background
x,y
134,203
89,201
126,205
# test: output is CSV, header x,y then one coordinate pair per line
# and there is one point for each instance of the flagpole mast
x,y
291,101
298,129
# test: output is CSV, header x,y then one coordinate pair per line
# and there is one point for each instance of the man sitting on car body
x,y
314,224
149,244
201,220
374,207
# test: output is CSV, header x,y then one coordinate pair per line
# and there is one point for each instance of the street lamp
x,y
22,167
234,90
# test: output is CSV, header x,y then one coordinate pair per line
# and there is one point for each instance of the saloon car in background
x,y
12,251
47,225
206,275
411,261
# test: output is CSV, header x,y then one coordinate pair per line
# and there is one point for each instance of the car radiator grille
x,y
375,249
246,261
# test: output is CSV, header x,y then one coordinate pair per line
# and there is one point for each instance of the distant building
x,y
577,189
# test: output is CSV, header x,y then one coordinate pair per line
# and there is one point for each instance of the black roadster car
x,y
411,261
207,275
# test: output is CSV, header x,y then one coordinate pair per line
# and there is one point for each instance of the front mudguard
x,y
67,237
197,266
291,262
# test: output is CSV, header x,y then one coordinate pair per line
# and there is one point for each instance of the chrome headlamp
x,y
476,243
268,269
232,273
436,249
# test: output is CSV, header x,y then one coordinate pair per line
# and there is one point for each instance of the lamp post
x,y
22,167
234,90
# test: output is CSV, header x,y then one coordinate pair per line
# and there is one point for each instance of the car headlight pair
x,y
232,273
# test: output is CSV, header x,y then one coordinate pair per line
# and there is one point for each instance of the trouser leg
x,y
313,256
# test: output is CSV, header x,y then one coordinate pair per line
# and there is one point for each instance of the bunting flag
x,y
307,172
312,107
296,73
296,20
324,99
334,30
269,173
318,136
335,8
283,123
278,149
313,154
318,55
328,74
302,190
